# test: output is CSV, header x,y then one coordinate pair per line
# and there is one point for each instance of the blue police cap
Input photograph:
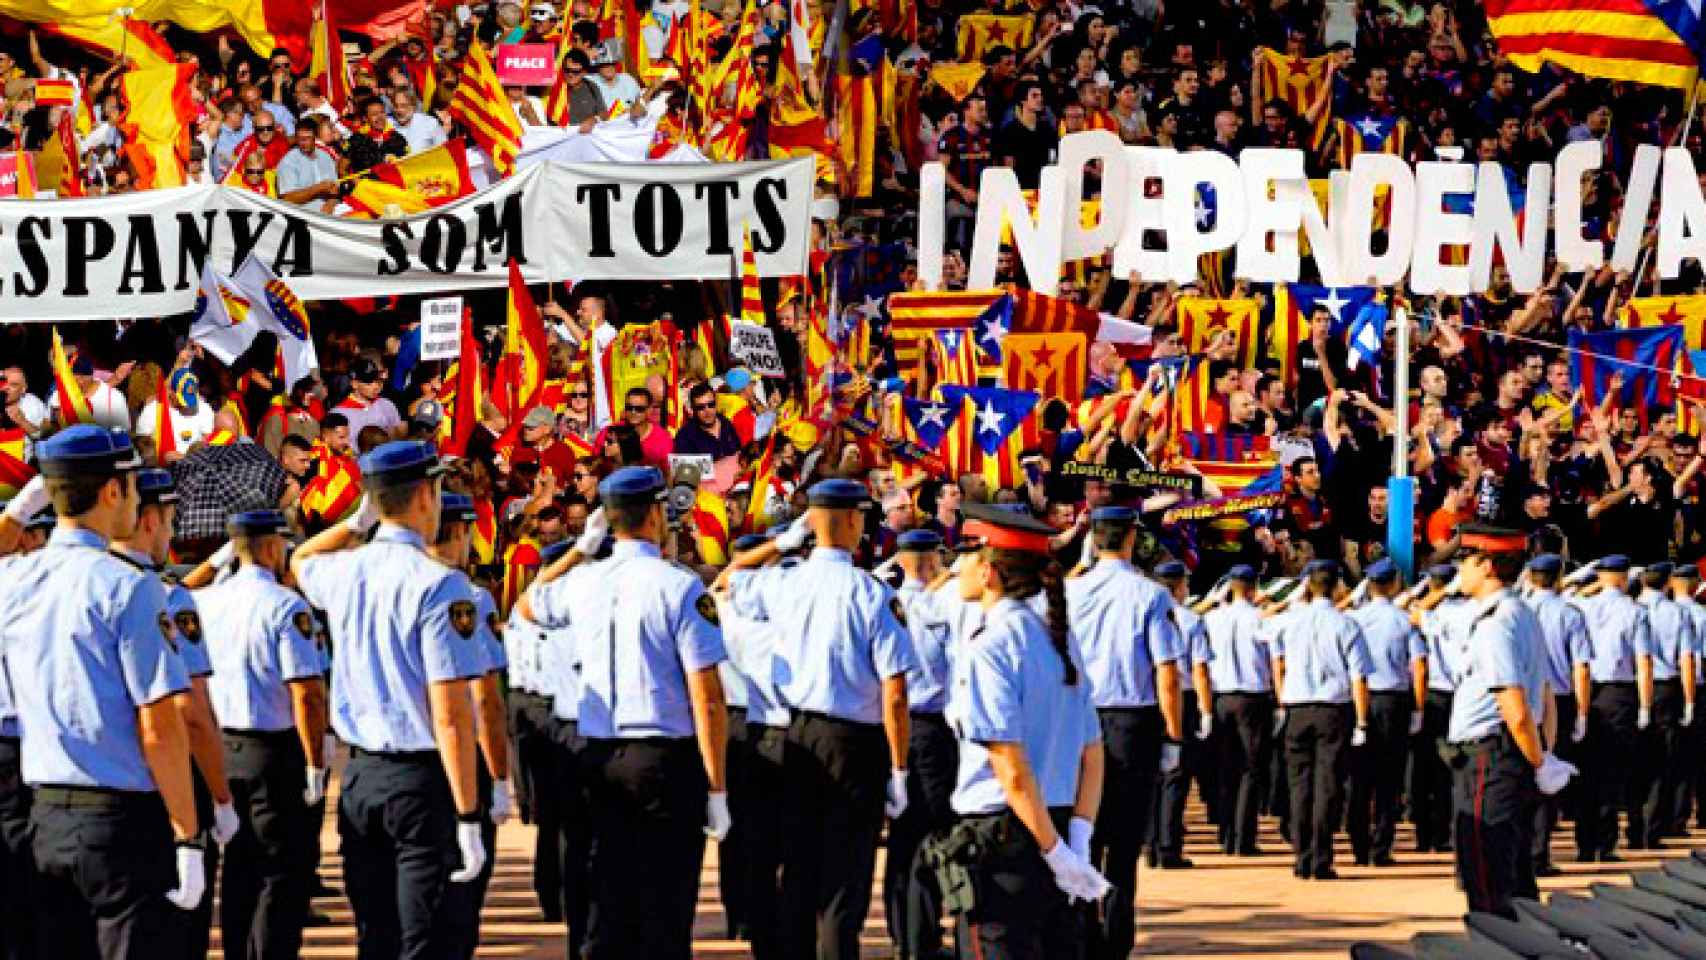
x,y
1616,563
456,508
1113,514
1382,571
155,485
551,551
919,541
632,485
1313,567
839,494
1443,571
1659,571
1242,572
256,523
400,462
1686,571
1170,570
748,541
86,450
1549,563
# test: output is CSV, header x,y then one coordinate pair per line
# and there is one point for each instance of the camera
x,y
683,491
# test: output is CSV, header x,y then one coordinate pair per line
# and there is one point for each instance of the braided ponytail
x,y
1023,576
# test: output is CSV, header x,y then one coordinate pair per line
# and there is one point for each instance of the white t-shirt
x,y
186,428
108,406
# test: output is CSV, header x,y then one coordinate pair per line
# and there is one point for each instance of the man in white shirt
x,y
615,86
421,130
106,404
313,101
18,407
307,173
192,420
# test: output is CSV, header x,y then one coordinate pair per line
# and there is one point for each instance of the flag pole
x,y
1401,487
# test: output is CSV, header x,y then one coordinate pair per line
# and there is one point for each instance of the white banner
x,y
141,254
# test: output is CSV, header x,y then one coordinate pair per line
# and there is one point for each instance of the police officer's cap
x,y
1686,571
1547,563
1480,538
1170,570
1243,572
748,541
456,508
989,525
551,551
256,523
1442,572
1616,563
631,485
400,462
1382,571
156,486
86,450
919,541
839,494
1113,514
1314,567
1659,571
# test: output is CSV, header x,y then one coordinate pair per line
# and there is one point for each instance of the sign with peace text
x,y
526,64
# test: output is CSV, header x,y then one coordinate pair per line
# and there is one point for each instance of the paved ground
x,y
1225,908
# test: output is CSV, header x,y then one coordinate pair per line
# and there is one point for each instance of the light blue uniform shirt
x,y
8,712
557,670
1120,618
839,633
1617,634
1564,633
1242,662
490,630
1323,649
261,637
1505,650
521,648
1393,644
1696,615
403,621
1446,629
640,625
1671,633
932,637
752,650
1194,647
180,606
1010,687
86,641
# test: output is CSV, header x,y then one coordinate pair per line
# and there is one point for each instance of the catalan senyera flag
x,y
1688,311
620,20
751,295
1294,302
113,37
1647,41
1054,365
984,438
157,118
73,405
414,184
15,470
1201,319
1035,312
980,31
485,112
1191,400
334,489
557,98
857,107
914,315
485,531
521,561
711,520
1295,80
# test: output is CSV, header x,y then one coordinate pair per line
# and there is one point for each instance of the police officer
x,y
1684,581
1131,649
1396,688
1619,635
1436,613
1322,667
270,697
914,905
1167,816
654,720
1030,748
407,645
1494,727
1241,672
534,753
731,852
19,534
841,662
86,658
1666,677
1564,634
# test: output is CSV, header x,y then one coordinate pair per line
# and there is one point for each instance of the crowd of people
x,y
599,611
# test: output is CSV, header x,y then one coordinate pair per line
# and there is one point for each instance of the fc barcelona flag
x,y
1201,320
1647,359
1052,364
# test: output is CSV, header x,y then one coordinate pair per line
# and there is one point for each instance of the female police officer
x,y
1030,771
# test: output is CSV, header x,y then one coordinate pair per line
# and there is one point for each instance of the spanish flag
x,y
481,107
1201,319
165,436
1647,41
414,184
521,371
73,405
470,389
158,114
55,93
113,37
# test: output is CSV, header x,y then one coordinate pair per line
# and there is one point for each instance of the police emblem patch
x,y
189,625
167,632
463,617
707,608
898,610
303,622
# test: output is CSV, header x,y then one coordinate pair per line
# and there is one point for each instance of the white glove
x,y
1205,726
1359,737
897,799
366,516
226,823
473,852
717,819
192,879
1455,585
1579,732
1553,774
316,789
1415,723
1279,720
223,556
593,534
1069,870
1644,718
1092,886
1688,714
1169,757
794,537
1078,834
31,500
503,801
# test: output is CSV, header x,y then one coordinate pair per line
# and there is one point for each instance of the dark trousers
x,y
1658,773
836,773
565,828
760,829
1020,913
397,823
1610,754
1377,776
1167,814
1430,778
1566,801
1317,736
264,886
104,863
647,799
731,853
464,901
1495,801
910,895
1131,741
201,918
17,919
536,795
1244,728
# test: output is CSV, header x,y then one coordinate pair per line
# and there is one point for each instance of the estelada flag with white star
x,y
930,419
1370,134
979,441
1294,302
1202,319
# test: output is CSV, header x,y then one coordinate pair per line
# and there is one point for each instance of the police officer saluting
x,y
1666,677
1619,636
1397,689
653,717
1564,634
271,699
1241,671
87,636
841,664
407,645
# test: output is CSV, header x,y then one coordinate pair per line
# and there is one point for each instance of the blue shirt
x,y
262,637
521,648
1394,645
559,674
1242,662
1194,647
1564,633
1446,629
1617,634
189,648
839,633
85,642
752,648
1120,618
489,629
1010,687
640,625
1322,650
403,621
1671,633
932,637
1505,650
1697,614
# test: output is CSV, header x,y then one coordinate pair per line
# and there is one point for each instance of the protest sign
x,y
441,328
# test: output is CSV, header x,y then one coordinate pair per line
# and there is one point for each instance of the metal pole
x,y
1401,487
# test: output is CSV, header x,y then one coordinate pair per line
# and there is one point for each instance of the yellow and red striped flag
x,y
1202,319
159,112
165,436
857,108
136,40
1295,80
15,470
1052,364
55,93
470,393
485,112
333,491
485,531
521,370
1687,311
711,520
1647,41
978,32
751,297
73,405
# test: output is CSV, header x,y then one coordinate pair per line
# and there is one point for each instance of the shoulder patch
x,y
707,608
167,632
898,609
463,617
189,624
303,621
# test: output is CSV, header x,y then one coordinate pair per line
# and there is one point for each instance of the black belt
x,y
1614,683
396,756
828,718
265,736
100,797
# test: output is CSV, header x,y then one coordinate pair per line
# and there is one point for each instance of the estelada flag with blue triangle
x,y
980,440
930,419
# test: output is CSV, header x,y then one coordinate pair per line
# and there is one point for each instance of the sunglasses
x,y
631,408
579,396
581,475
704,406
